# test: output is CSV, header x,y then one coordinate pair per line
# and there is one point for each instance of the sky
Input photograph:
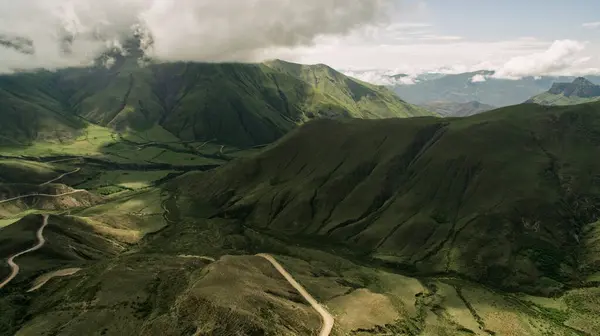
x,y
514,37
368,38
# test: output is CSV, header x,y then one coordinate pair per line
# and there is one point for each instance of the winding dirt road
x,y
61,176
11,262
326,318
43,195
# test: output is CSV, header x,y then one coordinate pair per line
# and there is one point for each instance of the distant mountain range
x,y
452,109
480,86
579,91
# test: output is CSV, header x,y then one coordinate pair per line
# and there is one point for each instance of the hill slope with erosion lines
x,y
504,197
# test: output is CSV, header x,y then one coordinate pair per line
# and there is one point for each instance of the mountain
x,y
452,109
506,198
579,91
478,86
241,105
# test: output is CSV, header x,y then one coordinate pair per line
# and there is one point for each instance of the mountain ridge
x,y
238,104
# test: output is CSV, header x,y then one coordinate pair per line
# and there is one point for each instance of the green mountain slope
x,y
461,88
579,91
33,107
360,99
452,109
242,105
503,197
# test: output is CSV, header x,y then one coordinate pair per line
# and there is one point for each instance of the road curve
x,y
326,318
42,280
11,262
61,176
43,195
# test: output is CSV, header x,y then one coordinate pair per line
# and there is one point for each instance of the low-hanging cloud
x,y
478,78
74,32
562,55
382,77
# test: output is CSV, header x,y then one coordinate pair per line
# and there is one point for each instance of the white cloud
x,y
382,77
478,78
591,25
352,34
73,32
561,55
413,55
433,37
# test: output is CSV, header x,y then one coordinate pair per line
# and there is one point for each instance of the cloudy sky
x,y
514,37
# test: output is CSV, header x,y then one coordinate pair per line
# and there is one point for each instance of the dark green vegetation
x,y
452,109
502,198
460,88
579,91
240,105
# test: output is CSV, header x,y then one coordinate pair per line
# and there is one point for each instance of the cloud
x,y
561,55
525,56
74,32
381,77
591,25
478,78
415,56
240,30
433,37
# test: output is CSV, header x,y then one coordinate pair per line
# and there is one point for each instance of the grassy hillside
x,y
452,109
360,99
580,91
34,108
241,105
501,197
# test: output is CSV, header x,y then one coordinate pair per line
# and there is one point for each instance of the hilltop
x,y
579,91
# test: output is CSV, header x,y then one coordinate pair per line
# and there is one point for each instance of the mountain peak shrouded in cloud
x,y
70,33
